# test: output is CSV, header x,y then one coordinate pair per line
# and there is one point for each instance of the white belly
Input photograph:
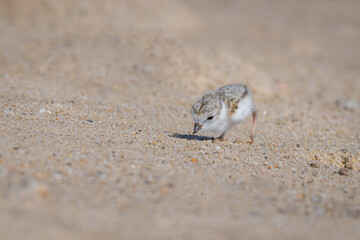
x,y
244,109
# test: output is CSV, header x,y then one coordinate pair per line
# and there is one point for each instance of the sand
x,y
95,123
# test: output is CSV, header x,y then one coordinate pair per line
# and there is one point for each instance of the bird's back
x,y
232,92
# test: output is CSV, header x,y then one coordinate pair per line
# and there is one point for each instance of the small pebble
x,y
194,160
344,172
314,165
43,110
351,105
344,150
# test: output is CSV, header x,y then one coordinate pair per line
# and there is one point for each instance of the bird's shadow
x,y
190,137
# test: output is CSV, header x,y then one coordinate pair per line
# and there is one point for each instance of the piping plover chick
x,y
222,109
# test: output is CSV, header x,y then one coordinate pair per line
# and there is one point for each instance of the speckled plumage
x,y
207,103
222,109
231,95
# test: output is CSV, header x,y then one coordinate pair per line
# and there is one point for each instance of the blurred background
x,y
312,41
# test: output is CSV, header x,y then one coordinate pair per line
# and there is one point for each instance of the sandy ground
x,y
95,124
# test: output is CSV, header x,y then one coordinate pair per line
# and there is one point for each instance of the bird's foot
x,y
218,139
250,141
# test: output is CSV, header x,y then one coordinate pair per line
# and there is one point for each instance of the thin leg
x,y
254,115
220,138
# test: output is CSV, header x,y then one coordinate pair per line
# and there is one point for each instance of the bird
x,y
218,111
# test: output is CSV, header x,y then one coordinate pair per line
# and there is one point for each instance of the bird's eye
x,y
211,117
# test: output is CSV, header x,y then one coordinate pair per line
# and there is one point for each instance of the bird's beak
x,y
197,127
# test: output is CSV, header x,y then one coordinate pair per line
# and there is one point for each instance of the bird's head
x,y
206,111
